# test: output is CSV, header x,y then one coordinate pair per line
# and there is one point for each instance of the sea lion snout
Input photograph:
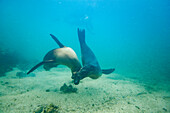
x,y
75,77
76,80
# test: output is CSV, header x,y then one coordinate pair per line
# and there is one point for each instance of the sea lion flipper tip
x,y
107,71
35,67
51,35
81,35
57,41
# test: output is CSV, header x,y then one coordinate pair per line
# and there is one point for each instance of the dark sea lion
x,y
91,67
60,56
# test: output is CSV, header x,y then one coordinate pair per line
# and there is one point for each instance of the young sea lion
x,y
60,56
91,67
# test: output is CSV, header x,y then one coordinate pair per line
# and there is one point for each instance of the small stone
x,y
137,107
10,86
165,109
6,83
47,90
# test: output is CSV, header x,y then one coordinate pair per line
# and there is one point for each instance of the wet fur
x,y
91,67
60,56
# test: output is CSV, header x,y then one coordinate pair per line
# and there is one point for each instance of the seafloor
x,y
113,93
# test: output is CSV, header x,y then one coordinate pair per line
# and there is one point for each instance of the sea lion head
x,y
76,77
77,80
86,71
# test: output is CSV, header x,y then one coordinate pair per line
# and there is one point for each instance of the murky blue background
x,y
131,35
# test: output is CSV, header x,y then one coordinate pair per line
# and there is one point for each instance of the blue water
x,y
131,35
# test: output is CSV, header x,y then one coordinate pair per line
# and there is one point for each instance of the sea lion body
x,y
91,67
60,56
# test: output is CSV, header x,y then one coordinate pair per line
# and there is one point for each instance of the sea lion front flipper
x,y
39,64
107,71
57,41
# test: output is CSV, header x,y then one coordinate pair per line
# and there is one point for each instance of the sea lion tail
x,y
35,67
57,41
107,71
81,35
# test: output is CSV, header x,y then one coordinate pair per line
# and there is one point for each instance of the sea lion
x,y
60,56
91,67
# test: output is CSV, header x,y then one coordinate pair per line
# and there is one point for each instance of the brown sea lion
x,y
60,56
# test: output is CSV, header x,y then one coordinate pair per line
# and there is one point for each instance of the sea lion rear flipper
x,y
57,41
39,64
107,71
81,35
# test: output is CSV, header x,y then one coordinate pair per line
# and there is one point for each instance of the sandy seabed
x,y
113,93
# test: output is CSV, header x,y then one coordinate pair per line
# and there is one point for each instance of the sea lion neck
x,y
75,68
